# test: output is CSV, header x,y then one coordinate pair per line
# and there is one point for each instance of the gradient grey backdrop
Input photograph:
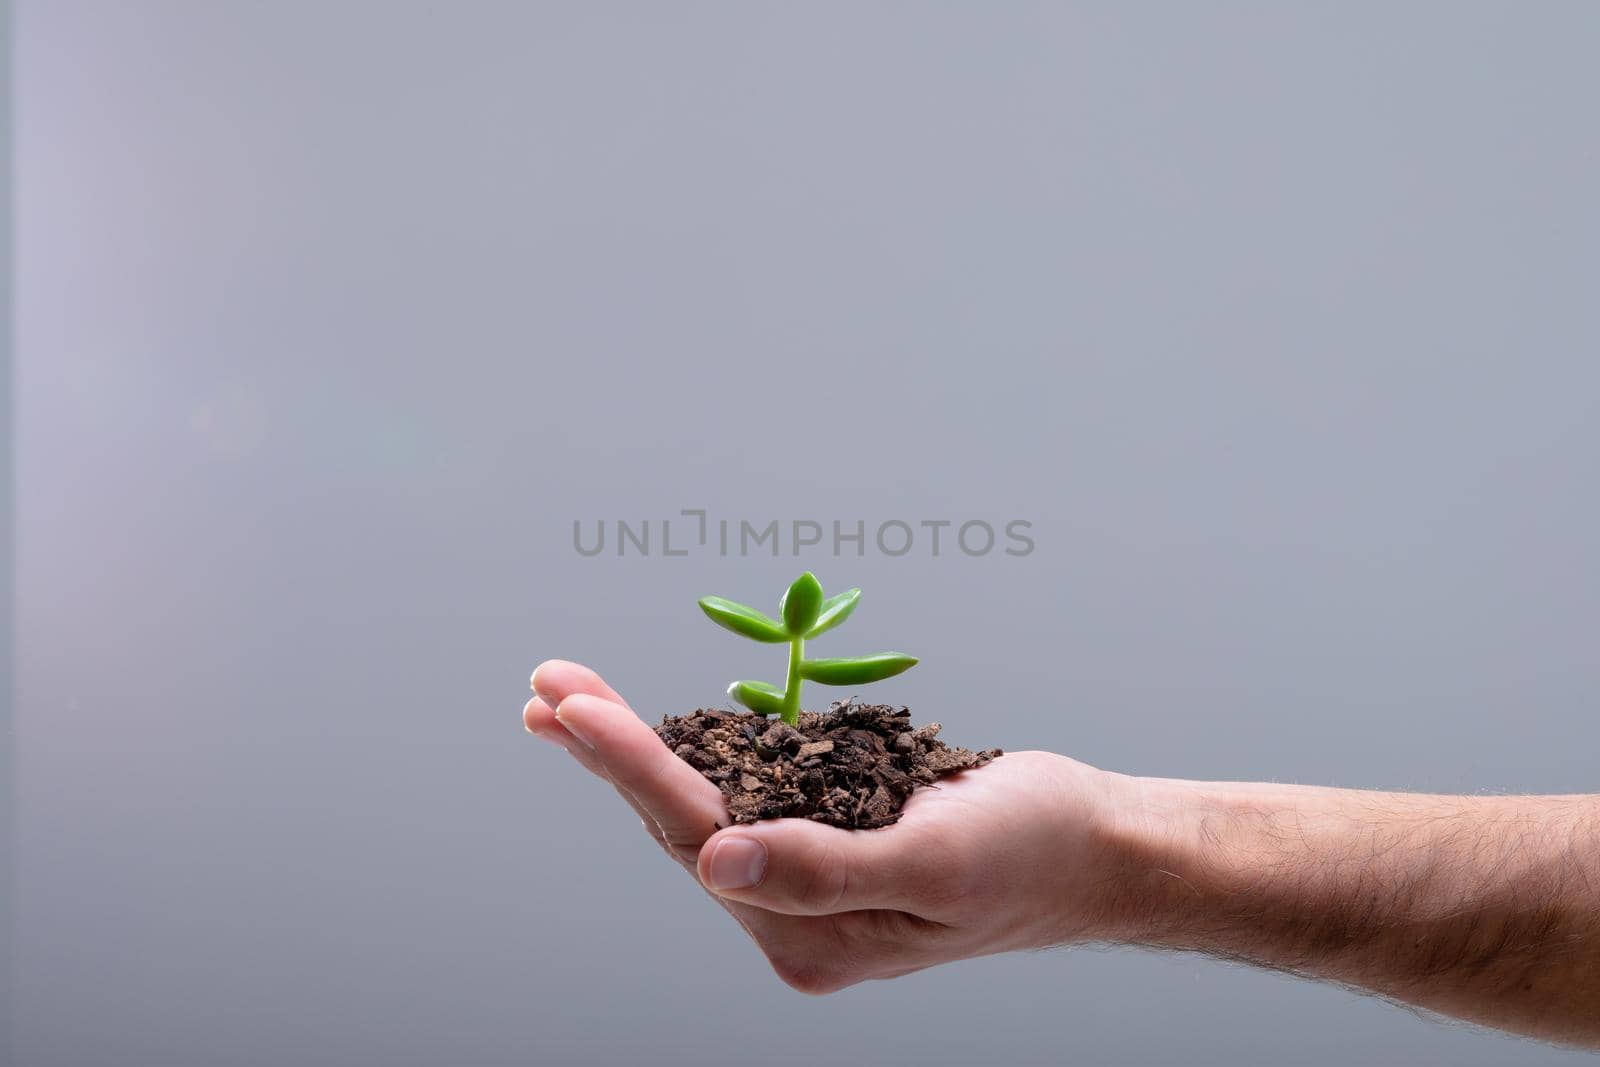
x,y
1278,321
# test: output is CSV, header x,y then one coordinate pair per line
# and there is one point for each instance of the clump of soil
x,y
853,766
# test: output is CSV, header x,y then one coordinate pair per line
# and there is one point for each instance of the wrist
x,y
1166,848
1130,860
1187,859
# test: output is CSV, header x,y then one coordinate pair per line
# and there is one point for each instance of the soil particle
x,y
853,766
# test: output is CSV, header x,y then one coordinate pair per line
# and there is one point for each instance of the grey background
x,y
1278,321
7,557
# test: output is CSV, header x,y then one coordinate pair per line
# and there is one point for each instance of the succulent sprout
x,y
804,613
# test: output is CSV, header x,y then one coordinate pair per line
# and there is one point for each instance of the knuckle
x,y
660,765
882,944
936,885
878,929
683,847
809,974
826,880
833,955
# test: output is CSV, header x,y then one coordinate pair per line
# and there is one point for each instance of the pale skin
x,y
1482,908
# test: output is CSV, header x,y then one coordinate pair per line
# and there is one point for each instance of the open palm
x,y
981,863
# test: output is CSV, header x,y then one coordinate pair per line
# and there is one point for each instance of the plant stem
x,y
791,691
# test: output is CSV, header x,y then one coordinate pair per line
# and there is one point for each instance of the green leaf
x,y
835,610
759,697
856,670
746,622
801,605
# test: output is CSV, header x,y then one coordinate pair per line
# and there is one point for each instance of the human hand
x,y
1011,855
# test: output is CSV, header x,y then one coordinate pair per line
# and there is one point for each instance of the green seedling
x,y
804,614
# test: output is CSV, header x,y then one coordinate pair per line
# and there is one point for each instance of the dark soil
x,y
853,766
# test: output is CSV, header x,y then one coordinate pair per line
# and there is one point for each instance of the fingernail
x,y
543,692
738,863
573,728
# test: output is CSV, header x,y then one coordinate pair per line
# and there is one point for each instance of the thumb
x,y
799,867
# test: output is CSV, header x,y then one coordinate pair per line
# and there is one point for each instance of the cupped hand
x,y
1011,855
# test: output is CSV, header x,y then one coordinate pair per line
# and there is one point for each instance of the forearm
x,y
1485,908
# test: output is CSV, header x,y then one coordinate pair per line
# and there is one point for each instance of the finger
x,y
685,806
556,679
553,681
541,722
799,867
539,718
